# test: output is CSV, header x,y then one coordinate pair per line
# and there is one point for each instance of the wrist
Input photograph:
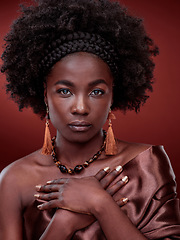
x,y
72,221
101,204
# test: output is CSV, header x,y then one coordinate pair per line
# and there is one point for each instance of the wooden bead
x,y
86,164
63,169
90,160
70,171
78,168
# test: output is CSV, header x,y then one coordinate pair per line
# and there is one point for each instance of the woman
x,y
74,62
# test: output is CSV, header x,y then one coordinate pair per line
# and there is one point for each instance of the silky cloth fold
x,y
153,206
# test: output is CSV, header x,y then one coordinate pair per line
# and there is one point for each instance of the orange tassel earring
x,y
47,146
111,147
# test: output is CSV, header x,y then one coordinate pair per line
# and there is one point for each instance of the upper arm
x,y
10,207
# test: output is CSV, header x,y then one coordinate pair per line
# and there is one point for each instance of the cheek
x,y
102,118
56,112
58,118
101,112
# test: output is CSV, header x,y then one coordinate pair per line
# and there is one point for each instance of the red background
x,y
158,121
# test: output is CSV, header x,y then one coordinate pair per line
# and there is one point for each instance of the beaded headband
x,y
80,42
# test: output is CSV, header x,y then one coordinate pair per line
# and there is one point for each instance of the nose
x,y
80,105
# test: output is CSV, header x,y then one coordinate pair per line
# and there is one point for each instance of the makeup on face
x,y
79,95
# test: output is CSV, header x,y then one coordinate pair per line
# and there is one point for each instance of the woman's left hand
x,y
75,194
78,194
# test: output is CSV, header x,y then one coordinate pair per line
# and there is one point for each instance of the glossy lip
x,y
80,126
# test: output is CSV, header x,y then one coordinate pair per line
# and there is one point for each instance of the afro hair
x,y
45,21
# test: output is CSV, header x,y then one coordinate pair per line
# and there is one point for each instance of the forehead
x,y
80,64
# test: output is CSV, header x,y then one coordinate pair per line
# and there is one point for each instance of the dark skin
x,y
79,95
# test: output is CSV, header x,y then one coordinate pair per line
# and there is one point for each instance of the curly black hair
x,y
45,21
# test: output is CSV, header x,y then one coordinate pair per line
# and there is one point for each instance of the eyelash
x,y
100,92
67,92
62,91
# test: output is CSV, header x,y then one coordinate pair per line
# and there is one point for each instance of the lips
x,y
80,126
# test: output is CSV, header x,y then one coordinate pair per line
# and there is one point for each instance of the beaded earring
x,y
47,146
111,147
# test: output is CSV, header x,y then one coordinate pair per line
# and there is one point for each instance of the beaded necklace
x,y
77,168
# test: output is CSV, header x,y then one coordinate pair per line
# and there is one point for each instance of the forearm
x,y
114,223
65,223
59,228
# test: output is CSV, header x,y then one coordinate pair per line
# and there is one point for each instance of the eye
x,y
97,92
64,92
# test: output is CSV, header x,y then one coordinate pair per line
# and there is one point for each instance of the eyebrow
x,y
91,84
65,82
96,82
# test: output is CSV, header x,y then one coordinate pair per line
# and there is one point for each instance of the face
x,y
79,96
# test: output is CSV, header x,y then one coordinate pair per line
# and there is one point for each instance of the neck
x,y
73,153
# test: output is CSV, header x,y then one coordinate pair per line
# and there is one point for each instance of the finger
x,y
58,181
48,205
47,197
47,188
113,189
106,181
122,202
102,173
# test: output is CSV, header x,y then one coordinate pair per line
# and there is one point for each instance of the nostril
x,y
80,111
80,107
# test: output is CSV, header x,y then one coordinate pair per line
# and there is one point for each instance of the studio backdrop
x,y
157,123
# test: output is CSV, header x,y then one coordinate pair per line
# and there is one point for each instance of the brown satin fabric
x,y
153,207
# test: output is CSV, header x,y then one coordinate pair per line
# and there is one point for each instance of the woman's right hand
x,y
105,177
78,220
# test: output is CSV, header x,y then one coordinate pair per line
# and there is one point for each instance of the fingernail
x,y
119,168
38,187
48,182
39,207
125,179
125,200
36,195
106,169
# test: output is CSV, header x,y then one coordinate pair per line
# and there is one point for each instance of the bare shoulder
x,y
16,192
18,172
